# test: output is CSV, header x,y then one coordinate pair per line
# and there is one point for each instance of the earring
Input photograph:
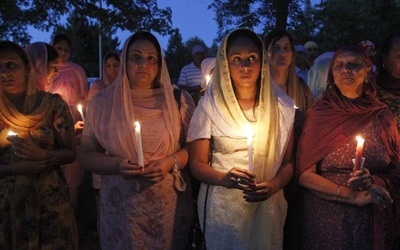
x,y
384,65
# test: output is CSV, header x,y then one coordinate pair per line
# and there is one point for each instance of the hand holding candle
x,y
249,132
81,112
359,151
139,144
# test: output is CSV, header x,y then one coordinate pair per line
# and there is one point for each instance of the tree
x,y
132,15
343,22
173,55
84,35
254,14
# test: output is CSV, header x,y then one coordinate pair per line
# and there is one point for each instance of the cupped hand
x,y
238,178
26,149
156,171
360,180
78,127
258,192
374,194
128,170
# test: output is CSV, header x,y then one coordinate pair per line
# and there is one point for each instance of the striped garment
x,y
190,76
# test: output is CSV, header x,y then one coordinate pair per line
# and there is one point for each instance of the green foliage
x,y
174,55
132,15
84,35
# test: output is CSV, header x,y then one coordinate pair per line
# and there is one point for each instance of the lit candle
x,y
81,112
139,144
249,133
208,78
359,151
9,134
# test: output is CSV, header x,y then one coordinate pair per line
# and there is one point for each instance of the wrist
x,y
175,166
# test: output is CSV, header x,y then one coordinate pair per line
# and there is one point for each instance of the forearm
x,y
282,177
181,157
100,163
205,173
63,156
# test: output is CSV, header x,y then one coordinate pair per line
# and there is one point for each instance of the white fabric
x,y
190,76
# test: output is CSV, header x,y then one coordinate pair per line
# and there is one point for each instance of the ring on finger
x,y
239,180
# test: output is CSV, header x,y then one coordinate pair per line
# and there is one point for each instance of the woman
x,y
110,72
141,206
346,209
43,57
281,58
71,84
239,208
388,75
34,204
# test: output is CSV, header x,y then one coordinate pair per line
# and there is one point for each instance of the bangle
x,y
176,165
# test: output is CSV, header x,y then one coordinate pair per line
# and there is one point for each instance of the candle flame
x,y
11,133
80,108
359,138
137,126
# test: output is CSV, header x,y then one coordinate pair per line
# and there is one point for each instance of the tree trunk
x,y
282,10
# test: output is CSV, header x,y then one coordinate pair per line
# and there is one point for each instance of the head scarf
x,y
318,73
32,115
122,114
207,65
294,89
335,119
37,53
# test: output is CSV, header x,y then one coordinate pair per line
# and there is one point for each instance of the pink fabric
x,y
37,53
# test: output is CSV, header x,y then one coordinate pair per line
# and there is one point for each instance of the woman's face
x,y
281,54
244,60
142,64
52,70
392,61
13,73
112,68
349,73
64,51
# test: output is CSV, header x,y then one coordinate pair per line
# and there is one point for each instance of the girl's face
x,y
244,61
281,54
392,61
142,64
64,51
52,70
13,73
112,68
349,73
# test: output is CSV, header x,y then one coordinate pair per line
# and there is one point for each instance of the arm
x,y
200,169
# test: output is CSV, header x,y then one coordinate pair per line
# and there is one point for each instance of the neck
x,y
16,99
280,77
246,97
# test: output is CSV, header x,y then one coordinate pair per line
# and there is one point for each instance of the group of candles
x,y
249,132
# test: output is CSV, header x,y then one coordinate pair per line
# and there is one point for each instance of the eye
x,y
275,48
11,65
337,66
252,58
287,48
236,59
152,59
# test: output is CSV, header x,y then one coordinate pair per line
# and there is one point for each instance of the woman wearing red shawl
x,y
141,206
345,209
35,212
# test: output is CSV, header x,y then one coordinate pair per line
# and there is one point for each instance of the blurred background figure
x,y
207,68
369,48
44,58
301,63
190,77
312,52
318,74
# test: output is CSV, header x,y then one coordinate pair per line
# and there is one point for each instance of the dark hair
x,y
13,47
385,49
111,54
275,35
52,53
145,35
61,37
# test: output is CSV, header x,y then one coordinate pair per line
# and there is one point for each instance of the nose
x,y
245,64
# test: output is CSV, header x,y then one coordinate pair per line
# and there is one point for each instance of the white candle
x,y
249,133
81,112
139,144
11,133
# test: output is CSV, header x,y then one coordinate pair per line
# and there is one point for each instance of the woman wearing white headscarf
x,y
238,208
141,207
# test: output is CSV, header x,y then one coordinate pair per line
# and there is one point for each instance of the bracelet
x,y
176,165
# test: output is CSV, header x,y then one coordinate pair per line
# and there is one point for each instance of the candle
x,y
359,151
9,134
208,78
81,112
139,144
249,133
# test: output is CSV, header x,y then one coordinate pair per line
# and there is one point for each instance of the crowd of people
x,y
266,127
